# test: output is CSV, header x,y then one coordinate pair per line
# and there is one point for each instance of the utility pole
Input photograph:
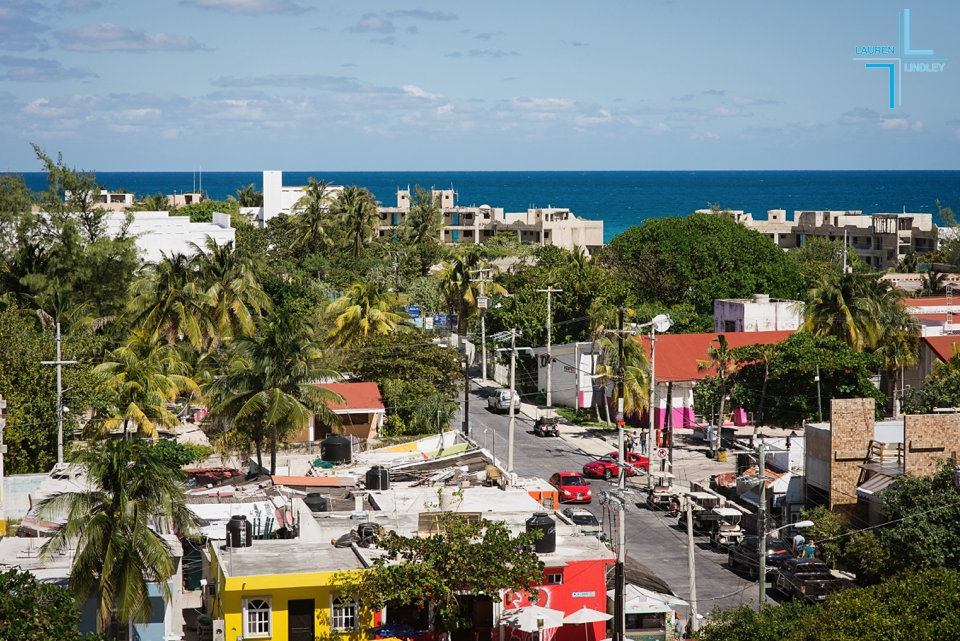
x,y
616,503
691,569
513,392
621,370
651,408
548,291
3,451
466,392
819,402
60,363
482,304
396,266
762,524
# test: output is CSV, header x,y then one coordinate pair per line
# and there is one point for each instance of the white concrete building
x,y
759,314
573,366
278,199
158,231
881,240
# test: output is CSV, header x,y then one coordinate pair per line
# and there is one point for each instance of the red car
x,y
573,488
607,465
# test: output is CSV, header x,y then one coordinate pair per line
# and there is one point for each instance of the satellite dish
x,y
662,323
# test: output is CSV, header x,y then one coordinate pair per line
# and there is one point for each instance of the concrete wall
x,y
15,494
818,455
158,231
928,438
756,316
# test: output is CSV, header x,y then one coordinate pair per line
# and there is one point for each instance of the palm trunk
x,y
257,443
273,448
723,400
896,399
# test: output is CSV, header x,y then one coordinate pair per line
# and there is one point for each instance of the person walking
x,y
643,442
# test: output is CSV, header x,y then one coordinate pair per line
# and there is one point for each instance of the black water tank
x,y
547,543
316,502
378,478
336,449
239,532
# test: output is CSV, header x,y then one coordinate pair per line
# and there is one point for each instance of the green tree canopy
x,y
698,258
35,611
465,557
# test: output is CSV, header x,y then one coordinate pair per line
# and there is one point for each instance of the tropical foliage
x,y
114,528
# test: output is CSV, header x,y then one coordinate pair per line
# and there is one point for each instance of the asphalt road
x,y
652,538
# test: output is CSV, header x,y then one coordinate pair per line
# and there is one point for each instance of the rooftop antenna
x,y
201,182
194,179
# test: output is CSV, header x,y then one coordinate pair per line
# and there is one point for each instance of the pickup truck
x,y
806,579
499,401
746,554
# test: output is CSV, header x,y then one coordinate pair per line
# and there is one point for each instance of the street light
x,y
763,551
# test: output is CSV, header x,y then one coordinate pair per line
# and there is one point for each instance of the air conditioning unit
x,y
219,630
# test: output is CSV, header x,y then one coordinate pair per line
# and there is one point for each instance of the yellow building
x,y
286,590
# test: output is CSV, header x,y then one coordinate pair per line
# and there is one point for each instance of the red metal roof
x,y
677,354
942,345
358,396
307,481
926,301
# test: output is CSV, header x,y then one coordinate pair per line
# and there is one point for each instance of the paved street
x,y
652,538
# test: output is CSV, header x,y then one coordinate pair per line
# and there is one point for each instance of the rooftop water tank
x,y
378,478
316,502
239,532
547,543
336,449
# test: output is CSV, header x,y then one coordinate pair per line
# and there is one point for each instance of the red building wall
x,y
584,585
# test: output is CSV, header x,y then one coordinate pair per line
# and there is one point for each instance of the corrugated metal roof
x,y
677,354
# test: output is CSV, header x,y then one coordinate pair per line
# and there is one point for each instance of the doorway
x,y
300,620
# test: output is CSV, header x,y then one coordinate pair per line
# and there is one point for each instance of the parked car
x,y
573,487
499,401
586,520
806,579
746,555
607,466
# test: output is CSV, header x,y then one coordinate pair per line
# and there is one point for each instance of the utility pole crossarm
x,y
59,363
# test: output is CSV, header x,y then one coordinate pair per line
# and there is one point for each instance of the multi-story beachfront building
x,y
473,225
881,240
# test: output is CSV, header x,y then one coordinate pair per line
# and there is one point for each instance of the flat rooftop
x,y
279,556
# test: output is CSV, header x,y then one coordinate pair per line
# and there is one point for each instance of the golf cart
x,y
547,423
703,512
726,531
663,497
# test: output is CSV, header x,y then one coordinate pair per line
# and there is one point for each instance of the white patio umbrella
x,y
586,615
533,618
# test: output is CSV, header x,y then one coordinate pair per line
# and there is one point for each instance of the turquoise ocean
x,y
619,198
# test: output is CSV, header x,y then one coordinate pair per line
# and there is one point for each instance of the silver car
x,y
499,401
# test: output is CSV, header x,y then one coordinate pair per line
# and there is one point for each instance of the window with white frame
x,y
554,579
343,612
256,617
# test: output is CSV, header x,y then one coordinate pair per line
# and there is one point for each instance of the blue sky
x,y
493,85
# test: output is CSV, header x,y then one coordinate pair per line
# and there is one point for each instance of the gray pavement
x,y
652,538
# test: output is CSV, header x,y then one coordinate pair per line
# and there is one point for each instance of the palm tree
x,y
146,375
423,222
170,301
848,307
358,214
248,196
312,217
115,526
274,378
231,282
947,368
721,358
457,284
365,310
433,414
933,284
156,202
900,348
602,317
636,377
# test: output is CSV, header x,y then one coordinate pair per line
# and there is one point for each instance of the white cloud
x,y
78,6
111,37
422,14
372,23
743,102
18,29
705,136
414,90
247,7
894,123
661,128
602,116
40,70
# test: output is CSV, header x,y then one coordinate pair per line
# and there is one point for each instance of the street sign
x,y
619,417
482,302
441,320
662,453
428,322
413,310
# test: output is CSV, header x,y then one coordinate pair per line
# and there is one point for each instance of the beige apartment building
x,y
881,240
475,224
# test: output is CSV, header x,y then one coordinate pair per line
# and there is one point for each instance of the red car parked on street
x,y
573,488
607,465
